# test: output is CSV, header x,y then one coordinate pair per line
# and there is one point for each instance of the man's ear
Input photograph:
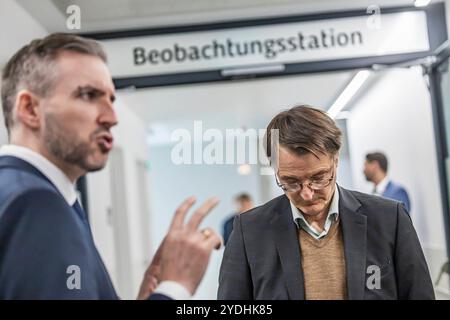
x,y
27,109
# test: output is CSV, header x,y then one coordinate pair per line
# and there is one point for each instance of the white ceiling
x,y
234,104
104,15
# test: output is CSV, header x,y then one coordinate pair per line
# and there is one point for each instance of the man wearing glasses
x,y
319,240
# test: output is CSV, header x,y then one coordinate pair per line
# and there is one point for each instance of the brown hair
x,y
380,158
243,197
33,67
304,129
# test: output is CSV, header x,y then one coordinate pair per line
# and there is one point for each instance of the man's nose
x,y
306,193
108,117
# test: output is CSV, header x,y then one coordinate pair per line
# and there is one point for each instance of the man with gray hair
x,y
57,98
319,240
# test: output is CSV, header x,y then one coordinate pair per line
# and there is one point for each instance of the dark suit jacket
x,y
395,191
40,237
262,259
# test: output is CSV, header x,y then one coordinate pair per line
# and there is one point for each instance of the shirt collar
x,y
381,187
333,212
47,168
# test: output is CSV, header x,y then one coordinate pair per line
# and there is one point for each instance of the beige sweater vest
x,y
323,263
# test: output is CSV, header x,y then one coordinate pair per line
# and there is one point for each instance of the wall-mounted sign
x,y
294,42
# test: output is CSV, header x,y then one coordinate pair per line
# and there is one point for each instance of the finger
x,y
153,283
204,233
180,213
153,271
209,232
214,241
201,213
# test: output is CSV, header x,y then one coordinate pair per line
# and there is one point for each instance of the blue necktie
x,y
81,213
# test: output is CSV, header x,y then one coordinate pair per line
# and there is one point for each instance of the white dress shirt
x,y
380,187
332,217
68,190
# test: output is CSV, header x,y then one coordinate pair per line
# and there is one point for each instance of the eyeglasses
x,y
314,184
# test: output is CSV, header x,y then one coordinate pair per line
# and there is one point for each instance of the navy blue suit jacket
x,y
42,238
397,192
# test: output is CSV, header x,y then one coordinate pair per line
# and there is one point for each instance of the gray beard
x,y
65,145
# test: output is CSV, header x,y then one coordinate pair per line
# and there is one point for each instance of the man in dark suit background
x,y
57,99
243,203
319,240
375,170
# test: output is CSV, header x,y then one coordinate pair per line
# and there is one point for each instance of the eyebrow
x,y
323,171
98,92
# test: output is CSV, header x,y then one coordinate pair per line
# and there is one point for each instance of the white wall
x,y
26,28
447,15
171,184
17,28
394,116
130,136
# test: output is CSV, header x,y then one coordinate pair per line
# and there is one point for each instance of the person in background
x,y
375,170
244,203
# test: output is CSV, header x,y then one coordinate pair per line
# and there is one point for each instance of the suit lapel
x,y
354,230
286,239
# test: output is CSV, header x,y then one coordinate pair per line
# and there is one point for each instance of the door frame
x,y
434,72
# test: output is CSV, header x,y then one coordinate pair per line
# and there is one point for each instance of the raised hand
x,y
185,251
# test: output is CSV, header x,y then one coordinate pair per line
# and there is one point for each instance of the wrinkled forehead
x,y
291,164
76,69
